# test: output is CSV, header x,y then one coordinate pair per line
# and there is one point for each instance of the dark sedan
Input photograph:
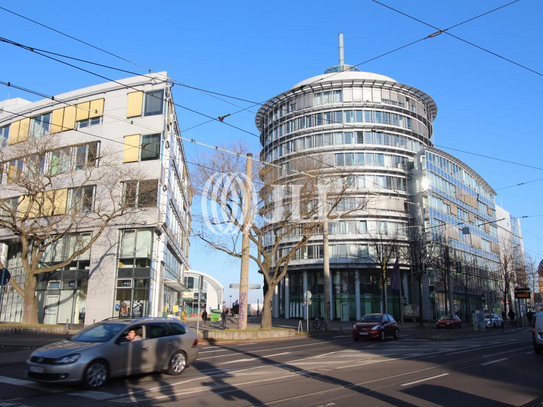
x,y
449,321
375,326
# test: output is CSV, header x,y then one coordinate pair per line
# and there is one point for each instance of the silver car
x,y
109,349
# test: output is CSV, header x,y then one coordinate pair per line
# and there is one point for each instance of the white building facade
x,y
136,266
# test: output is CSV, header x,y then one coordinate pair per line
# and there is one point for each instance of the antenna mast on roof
x,y
341,59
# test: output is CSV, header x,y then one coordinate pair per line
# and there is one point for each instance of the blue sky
x,y
488,102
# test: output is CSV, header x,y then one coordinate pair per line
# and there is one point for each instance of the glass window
x,y
40,125
154,102
348,138
148,193
4,135
150,147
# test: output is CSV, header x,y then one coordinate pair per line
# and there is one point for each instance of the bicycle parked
x,y
318,324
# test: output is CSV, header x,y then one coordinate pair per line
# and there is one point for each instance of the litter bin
x,y
215,315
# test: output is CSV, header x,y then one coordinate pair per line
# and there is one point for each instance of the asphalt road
x,y
499,370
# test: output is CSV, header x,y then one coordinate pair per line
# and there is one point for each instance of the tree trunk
x,y
30,316
266,322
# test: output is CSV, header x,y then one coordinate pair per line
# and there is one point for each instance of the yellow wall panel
x,y
14,132
57,117
23,130
69,118
135,104
96,108
131,148
83,111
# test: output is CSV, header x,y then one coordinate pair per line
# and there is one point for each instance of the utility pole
x,y
244,275
449,277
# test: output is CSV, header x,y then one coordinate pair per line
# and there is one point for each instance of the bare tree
x,y
384,250
53,193
292,206
421,256
508,270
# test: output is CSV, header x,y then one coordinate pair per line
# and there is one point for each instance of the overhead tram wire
x,y
446,31
255,103
491,158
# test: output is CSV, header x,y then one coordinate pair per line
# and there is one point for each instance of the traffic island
x,y
241,335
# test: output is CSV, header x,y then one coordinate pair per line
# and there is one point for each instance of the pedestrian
x,y
512,318
184,316
530,316
223,317
204,316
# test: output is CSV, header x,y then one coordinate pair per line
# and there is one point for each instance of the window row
x,y
346,95
80,116
56,202
370,160
343,139
66,118
63,248
458,173
346,116
54,162
352,227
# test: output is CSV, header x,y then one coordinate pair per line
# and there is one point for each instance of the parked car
x,y
537,331
104,350
375,326
493,320
449,321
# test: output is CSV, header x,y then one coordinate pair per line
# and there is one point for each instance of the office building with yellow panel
x,y
136,266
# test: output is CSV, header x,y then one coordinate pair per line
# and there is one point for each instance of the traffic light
x,y
459,267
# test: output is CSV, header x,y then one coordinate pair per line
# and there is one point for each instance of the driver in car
x,y
133,336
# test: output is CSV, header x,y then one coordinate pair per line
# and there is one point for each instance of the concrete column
x,y
275,303
287,297
357,293
306,287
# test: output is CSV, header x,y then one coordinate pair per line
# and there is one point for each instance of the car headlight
x,y
354,327
66,360
376,327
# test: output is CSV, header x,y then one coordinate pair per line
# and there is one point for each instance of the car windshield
x,y
445,318
98,333
370,318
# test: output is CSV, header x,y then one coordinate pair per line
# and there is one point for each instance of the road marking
x,y
494,361
250,359
30,384
425,380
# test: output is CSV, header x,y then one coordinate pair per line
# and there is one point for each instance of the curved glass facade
x,y
369,127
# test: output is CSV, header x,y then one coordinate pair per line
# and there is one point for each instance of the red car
x,y
375,326
449,321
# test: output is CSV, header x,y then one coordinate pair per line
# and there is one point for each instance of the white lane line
x,y
494,361
250,359
32,385
425,380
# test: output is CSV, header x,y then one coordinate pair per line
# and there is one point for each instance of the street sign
x,y
522,293
307,295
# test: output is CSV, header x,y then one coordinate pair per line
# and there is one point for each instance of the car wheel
x,y
382,335
460,326
397,334
177,364
95,375
355,339
537,350
437,327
